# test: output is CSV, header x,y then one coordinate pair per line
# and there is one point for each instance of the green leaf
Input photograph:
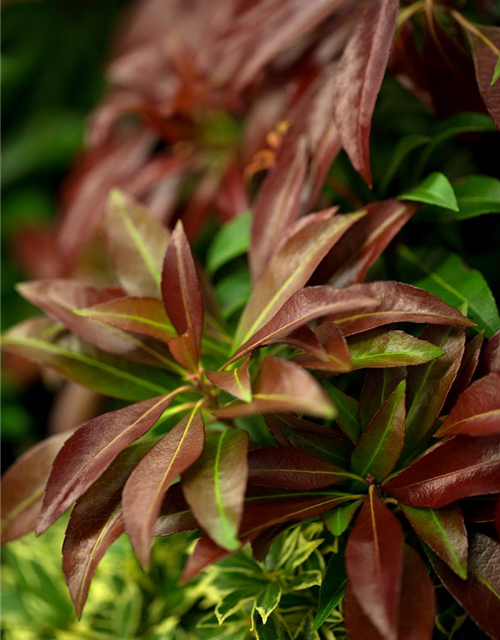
x,y
232,602
403,148
332,588
477,195
337,520
496,72
231,241
233,291
347,408
263,631
268,600
446,276
435,189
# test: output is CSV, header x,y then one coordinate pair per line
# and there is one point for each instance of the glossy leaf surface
x,y
236,381
332,588
436,190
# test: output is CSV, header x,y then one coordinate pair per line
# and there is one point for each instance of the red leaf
x,y
468,366
184,350
283,386
180,288
305,305
485,61
236,382
175,514
477,411
286,468
479,595
359,76
144,491
90,450
489,362
451,470
416,610
398,303
374,564
23,485
335,355
379,384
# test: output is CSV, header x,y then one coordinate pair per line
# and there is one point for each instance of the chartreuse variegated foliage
x,y
324,417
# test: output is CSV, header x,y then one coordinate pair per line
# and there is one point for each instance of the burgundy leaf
x,y
416,610
290,267
374,564
287,468
398,303
444,531
283,386
304,339
468,366
175,514
381,443
362,244
180,288
379,384
335,355
214,486
305,305
479,595
489,361
477,411
90,450
144,491
236,381
359,77
184,350
23,485
485,61
451,470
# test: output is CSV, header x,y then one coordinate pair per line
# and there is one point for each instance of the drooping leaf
x,y
479,595
398,303
144,491
287,468
305,305
22,487
41,340
486,66
214,486
379,384
374,563
137,244
337,520
458,468
446,276
230,242
95,523
180,288
283,387
429,384
416,611
236,381
436,190
359,76
290,267
90,450
477,411
382,348
332,588
347,411
444,531
381,443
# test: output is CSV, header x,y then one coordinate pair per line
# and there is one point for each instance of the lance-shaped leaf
x,y
305,305
23,485
335,354
287,468
40,340
381,443
90,450
489,362
214,486
486,67
374,563
347,411
451,470
332,588
477,411
137,244
95,523
283,387
468,366
175,514
359,76
428,384
145,316
444,531
180,288
379,384
337,520
236,381
398,303
362,244
144,491
417,606
479,595
291,266
381,348
276,208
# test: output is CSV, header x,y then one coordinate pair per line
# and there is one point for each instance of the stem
x,y
469,26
